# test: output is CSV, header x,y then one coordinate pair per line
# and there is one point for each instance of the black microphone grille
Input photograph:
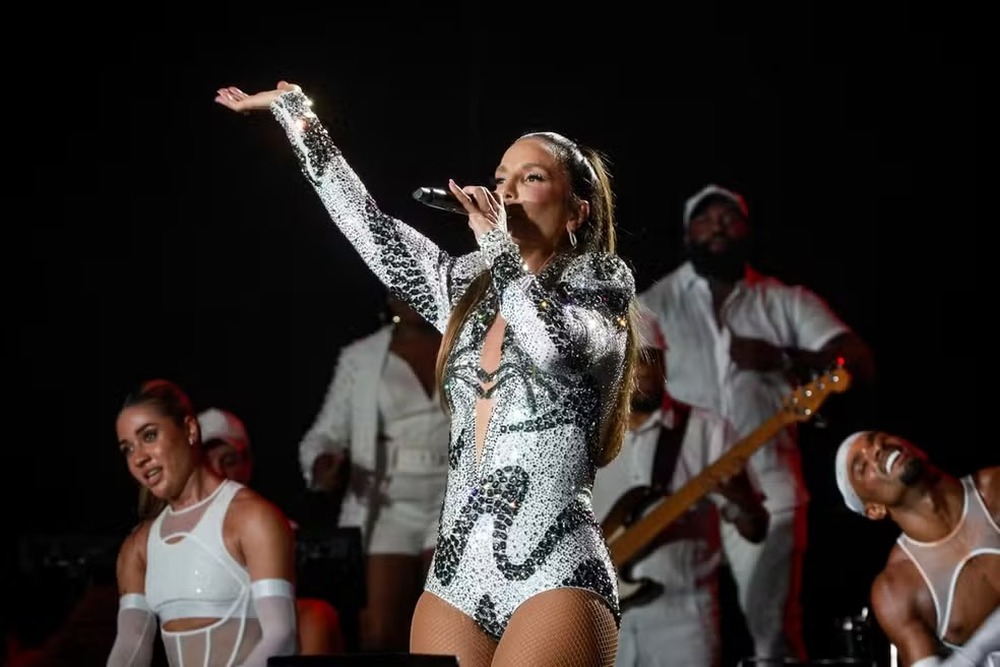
x,y
428,195
439,198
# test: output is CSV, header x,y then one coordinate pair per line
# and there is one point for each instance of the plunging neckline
x,y
486,400
489,309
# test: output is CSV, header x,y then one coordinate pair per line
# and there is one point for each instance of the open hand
x,y
237,100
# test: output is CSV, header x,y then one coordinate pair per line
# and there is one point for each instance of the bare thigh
x,y
394,582
441,629
565,627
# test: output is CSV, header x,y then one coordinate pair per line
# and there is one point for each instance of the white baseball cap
x,y
843,471
219,424
714,190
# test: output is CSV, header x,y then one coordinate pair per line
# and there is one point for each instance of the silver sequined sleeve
x,y
410,265
578,321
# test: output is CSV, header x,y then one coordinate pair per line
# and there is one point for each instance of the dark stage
x,y
167,236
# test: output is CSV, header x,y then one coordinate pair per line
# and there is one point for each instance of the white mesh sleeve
x,y
133,645
274,600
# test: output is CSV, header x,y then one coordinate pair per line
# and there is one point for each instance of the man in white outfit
x,y
667,445
738,339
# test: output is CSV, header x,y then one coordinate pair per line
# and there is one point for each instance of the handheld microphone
x,y
439,198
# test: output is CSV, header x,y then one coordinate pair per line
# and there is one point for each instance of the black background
x,y
158,234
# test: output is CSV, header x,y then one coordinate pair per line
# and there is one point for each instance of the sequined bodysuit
x,y
517,521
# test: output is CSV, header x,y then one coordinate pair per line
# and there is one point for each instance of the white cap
x,y
717,190
222,425
648,330
843,470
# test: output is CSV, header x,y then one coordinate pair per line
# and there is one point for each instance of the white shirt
x,y
374,394
687,565
701,372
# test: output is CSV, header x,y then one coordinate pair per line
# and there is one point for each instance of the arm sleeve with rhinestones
x,y
413,267
571,325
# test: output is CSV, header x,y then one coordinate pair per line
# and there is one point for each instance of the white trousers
x,y
676,631
769,583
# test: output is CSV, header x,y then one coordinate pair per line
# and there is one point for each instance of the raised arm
x,y
575,323
408,263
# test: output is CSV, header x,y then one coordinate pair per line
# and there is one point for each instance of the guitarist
x,y
667,444
737,337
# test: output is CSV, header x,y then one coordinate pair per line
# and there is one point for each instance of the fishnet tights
x,y
566,627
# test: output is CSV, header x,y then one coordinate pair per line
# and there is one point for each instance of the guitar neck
x,y
643,531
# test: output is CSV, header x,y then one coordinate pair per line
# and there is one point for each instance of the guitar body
x,y
628,509
637,521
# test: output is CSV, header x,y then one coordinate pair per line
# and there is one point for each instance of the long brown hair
x,y
590,181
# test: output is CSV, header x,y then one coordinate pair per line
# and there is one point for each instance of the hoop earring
x,y
572,238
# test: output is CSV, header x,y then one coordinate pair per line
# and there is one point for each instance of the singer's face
x,y
535,189
158,451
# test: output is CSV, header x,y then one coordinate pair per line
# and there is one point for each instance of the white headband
x,y
843,470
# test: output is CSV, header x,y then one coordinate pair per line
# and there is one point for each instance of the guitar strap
x,y
668,448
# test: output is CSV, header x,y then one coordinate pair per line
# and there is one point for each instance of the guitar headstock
x,y
802,404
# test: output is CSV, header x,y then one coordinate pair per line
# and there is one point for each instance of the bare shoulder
x,y
895,590
260,536
987,481
135,542
130,567
249,509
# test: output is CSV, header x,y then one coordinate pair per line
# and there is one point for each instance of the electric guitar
x,y
640,515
